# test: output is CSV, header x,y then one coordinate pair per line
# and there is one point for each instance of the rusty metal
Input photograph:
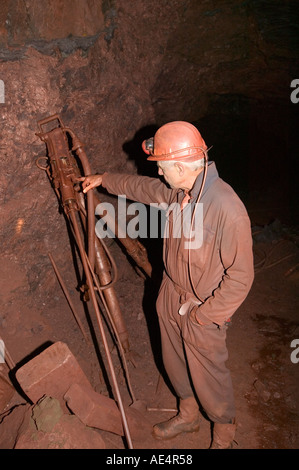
x,y
133,247
103,263
100,323
122,351
63,172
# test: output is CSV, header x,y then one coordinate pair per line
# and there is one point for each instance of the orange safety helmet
x,y
176,140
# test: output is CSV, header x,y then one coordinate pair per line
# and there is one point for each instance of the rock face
x,y
32,21
114,70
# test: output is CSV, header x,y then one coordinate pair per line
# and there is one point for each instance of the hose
x,y
191,225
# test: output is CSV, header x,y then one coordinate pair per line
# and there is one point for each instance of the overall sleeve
x,y
237,259
137,188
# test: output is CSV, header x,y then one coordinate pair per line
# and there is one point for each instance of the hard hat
x,y
176,140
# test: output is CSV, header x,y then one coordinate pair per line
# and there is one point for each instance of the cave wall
x,y
114,70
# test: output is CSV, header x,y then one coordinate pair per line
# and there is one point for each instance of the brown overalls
x,y
222,271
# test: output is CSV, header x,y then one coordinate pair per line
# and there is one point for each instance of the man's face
x,y
170,174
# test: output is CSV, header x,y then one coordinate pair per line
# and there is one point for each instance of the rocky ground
x,y
264,365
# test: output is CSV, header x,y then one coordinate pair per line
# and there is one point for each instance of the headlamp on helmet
x,y
148,146
177,140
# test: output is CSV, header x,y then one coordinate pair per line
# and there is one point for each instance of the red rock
x,y
101,412
64,431
6,392
11,424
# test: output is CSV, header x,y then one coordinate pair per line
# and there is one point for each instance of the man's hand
x,y
90,182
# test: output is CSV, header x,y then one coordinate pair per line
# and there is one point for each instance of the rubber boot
x,y
223,435
187,420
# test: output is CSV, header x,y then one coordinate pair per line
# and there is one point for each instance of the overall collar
x,y
212,175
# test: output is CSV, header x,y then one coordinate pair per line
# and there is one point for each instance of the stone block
x,y
51,373
101,412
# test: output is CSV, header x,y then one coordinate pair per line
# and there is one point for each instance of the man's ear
x,y
180,168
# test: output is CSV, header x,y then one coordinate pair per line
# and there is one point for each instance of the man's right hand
x,y
90,182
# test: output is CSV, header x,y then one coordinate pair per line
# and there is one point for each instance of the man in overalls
x,y
205,279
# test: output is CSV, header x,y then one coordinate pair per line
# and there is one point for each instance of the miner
x,y
203,283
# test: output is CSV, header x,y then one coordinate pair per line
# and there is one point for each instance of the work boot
x,y
187,420
223,435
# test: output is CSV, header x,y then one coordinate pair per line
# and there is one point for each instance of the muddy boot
x,y
186,421
223,435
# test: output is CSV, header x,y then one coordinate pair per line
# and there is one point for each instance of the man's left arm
x,y
237,259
